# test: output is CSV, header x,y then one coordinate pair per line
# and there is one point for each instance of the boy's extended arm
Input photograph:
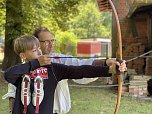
x,y
78,72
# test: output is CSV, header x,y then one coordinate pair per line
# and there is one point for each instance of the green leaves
x,y
66,43
77,18
90,22
2,16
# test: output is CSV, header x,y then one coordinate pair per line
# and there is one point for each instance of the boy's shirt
x,y
62,100
14,76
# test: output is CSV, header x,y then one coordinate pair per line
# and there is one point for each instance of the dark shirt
x,y
56,72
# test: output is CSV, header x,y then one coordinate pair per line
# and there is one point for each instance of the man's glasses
x,y
48,42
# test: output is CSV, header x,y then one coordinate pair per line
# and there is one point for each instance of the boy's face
x,y
46,42
31,54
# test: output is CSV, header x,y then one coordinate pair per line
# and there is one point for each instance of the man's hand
x,y
44,60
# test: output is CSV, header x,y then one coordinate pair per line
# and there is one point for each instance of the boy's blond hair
x,y
25,42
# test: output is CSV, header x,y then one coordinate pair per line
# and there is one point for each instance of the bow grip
x,y
117,68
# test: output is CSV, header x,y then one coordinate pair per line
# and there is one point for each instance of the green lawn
x,y
4,107
94,101
102,101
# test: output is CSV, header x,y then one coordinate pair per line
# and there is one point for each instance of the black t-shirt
x,y
56,72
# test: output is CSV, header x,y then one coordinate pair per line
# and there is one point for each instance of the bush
x,y
66,43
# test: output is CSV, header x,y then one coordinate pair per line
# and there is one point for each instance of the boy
x,y
36,84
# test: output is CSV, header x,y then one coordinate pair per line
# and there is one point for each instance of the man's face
x,y
46,42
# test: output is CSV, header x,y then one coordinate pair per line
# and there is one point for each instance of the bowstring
x,y
129,60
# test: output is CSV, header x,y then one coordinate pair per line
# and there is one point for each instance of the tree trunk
x,y
12,31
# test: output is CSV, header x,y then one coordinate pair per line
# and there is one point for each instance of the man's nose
x,y
50,44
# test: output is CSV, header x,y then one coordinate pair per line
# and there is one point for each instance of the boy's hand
x,y
122,66
112,65
44,60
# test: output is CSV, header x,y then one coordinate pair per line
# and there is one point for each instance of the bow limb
x,y
118,56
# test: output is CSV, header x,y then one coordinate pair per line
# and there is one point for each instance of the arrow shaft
x,y
56,57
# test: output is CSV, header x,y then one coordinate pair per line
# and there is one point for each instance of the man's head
x,y
27,47
45,38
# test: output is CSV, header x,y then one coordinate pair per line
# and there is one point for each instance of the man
x,y
62,102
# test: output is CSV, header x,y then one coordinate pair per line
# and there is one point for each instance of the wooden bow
x,y
118,56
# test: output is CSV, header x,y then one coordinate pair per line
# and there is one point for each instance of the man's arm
x,y
104,62
100,62
11,104
10,95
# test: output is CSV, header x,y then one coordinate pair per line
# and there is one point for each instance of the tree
x,y
63,10
90,22
12,30
23,16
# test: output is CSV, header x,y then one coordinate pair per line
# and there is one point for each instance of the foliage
x,y
22,17
56,15
90,22
2,17
33,13
82,16
63,10
52,14
66,43
107,19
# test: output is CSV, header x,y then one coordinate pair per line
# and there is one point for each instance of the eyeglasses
x,y
48,42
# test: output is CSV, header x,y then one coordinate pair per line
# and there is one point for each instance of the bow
x,y
118,56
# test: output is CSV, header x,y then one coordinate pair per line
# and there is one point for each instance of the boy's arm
x,y
78,72
13,73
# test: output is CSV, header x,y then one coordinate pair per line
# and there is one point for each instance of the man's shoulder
x,y
60,55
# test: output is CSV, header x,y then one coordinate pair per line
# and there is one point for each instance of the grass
x,y
4,106
102,101
94,101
